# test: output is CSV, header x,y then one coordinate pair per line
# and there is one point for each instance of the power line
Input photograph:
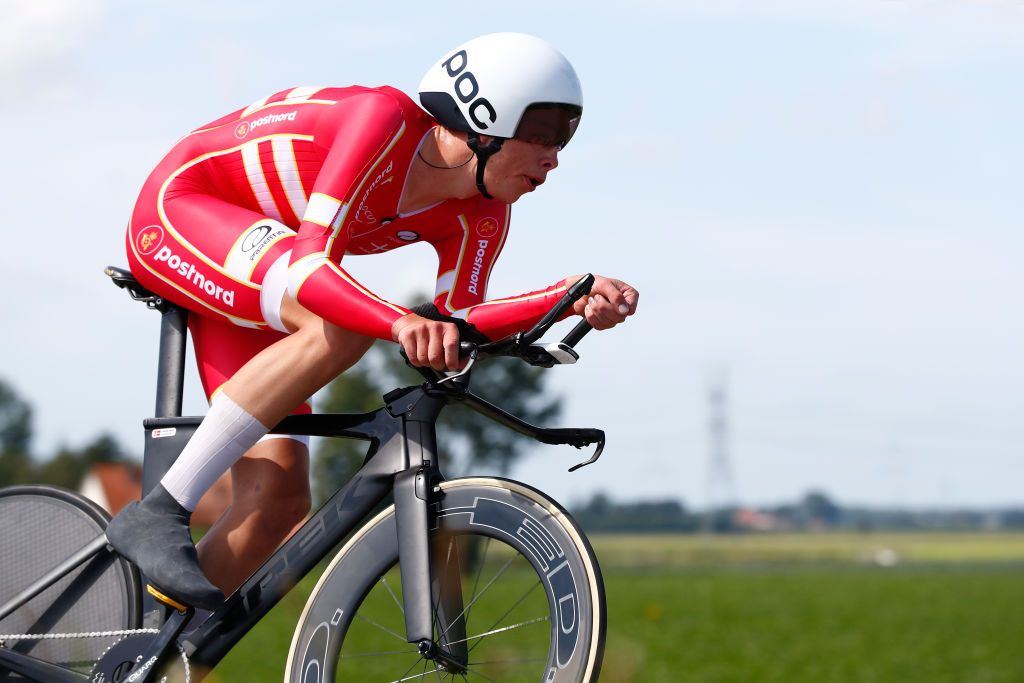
x,y
720,483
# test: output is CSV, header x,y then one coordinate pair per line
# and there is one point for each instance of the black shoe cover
x,y
154,535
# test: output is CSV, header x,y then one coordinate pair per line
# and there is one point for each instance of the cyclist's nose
x,y
549,160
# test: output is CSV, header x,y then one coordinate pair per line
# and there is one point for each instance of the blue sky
x,y
818,199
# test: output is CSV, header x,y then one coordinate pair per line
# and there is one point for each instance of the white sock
x,y
225,434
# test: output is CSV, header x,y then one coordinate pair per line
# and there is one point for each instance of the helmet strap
x,y
483,153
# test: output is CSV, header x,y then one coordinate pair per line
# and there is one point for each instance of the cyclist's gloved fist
x,y
428,343
609,303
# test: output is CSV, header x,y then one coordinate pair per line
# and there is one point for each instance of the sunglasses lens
x,y
551,125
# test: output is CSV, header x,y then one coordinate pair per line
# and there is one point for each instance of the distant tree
x,y
1012,519
66,468
16,466
601,513
15,421
719,520
817,507
70,465
357,390
600,506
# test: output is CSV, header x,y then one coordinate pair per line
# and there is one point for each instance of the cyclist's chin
x,y
507,192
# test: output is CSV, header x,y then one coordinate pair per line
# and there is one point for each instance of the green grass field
x,y
814,608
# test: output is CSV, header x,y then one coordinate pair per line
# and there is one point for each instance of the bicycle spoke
x,y
401,608
480,595
414,676
481,561
477,673
509,661
380,626
405,676
385,653
509,611
502,629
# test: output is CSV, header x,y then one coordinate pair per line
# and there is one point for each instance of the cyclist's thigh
x,y
211,256
223,348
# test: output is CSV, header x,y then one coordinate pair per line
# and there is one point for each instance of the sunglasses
x,y
548,124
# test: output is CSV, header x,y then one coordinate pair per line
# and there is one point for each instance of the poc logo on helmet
x,y
466,88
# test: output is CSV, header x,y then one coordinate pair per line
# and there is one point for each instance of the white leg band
x,y
301,438
226,433
275,284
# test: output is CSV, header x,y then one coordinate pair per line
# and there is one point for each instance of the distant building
x,y
112,485
749,519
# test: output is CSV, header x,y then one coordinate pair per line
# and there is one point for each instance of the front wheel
x,y
532,599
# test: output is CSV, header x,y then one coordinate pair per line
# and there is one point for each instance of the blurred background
x,y
815,419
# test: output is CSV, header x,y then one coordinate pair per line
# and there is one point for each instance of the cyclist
x,y
245,223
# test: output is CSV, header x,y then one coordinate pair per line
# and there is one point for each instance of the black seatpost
x,y
170,373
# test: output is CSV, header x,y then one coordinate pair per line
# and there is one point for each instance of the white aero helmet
x,y
505,85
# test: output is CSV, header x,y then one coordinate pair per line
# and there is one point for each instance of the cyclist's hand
x,y
428,343
609,303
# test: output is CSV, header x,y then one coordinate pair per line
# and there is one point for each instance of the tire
x,y
508,541
40,526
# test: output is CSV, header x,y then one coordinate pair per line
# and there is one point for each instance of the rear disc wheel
x,y
40,526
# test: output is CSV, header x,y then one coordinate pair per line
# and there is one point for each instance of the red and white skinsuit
x,y
268,199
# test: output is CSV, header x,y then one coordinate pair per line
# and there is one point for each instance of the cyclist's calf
x,y
270,498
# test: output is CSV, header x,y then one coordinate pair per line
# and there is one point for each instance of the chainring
x,y
123,657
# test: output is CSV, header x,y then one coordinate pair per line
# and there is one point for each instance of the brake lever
x,y
593,458
473,354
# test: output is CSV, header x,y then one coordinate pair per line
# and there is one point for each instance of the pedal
x,y
169,601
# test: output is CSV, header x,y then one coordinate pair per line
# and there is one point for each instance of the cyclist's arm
x,y
372,122
465,263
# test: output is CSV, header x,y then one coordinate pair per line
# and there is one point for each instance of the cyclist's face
x,y
519,167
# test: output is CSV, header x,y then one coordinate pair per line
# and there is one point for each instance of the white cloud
x,y
38,41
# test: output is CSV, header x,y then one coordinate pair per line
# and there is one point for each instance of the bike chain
x,y
96,634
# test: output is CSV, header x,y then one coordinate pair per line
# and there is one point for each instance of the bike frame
x,y
402,458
